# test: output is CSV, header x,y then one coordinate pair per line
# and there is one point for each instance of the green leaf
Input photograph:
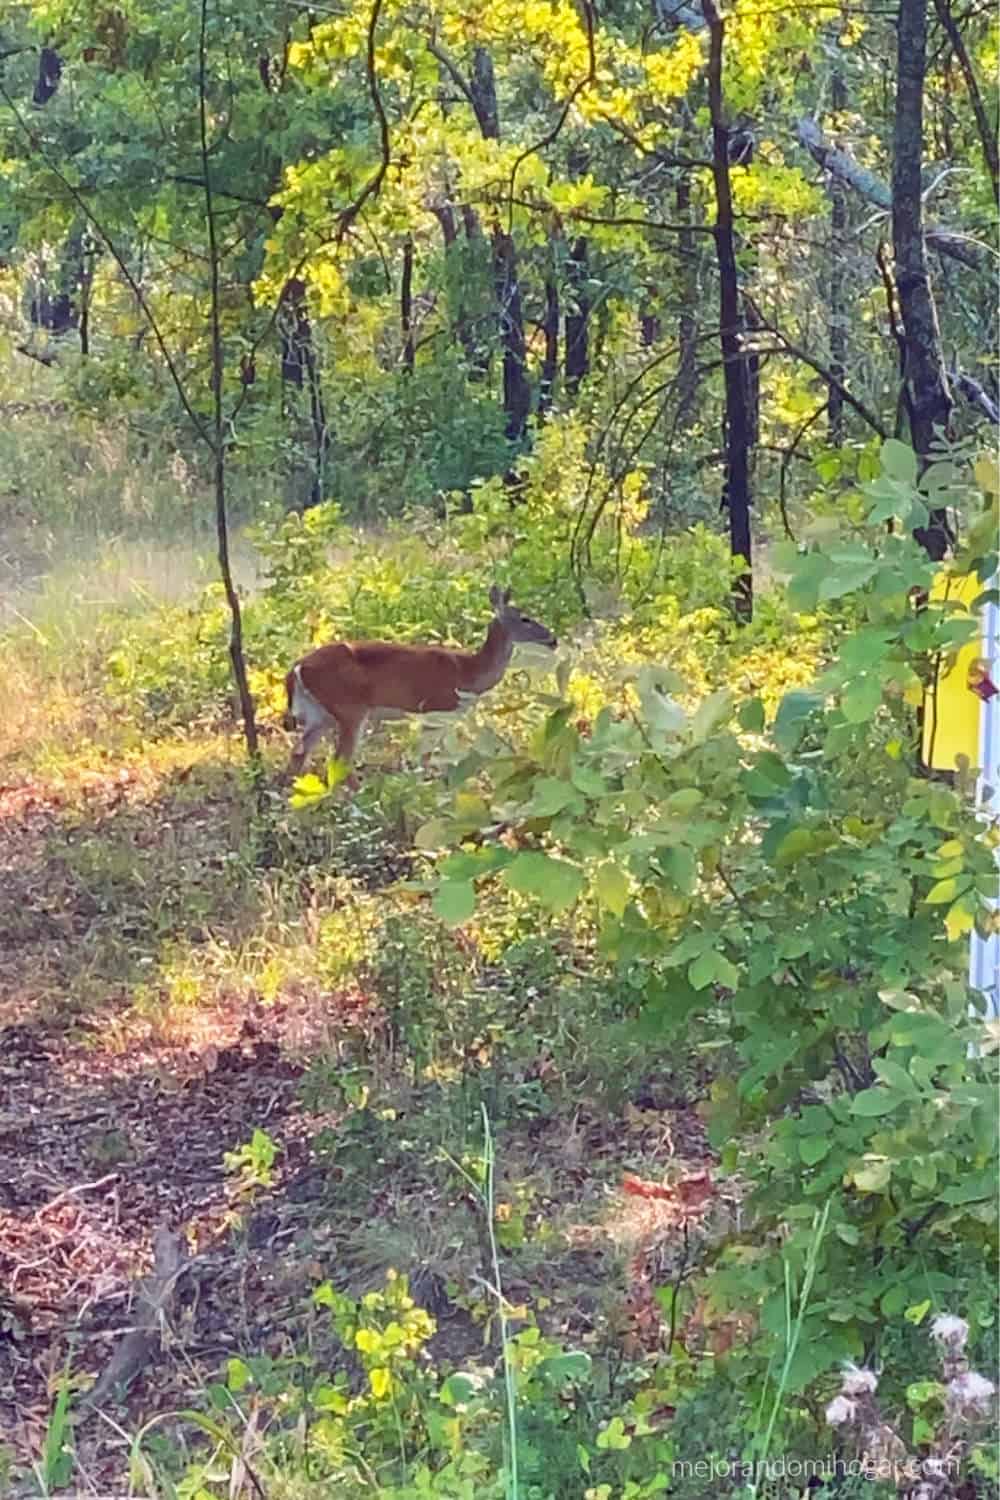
x,y
794,846
711,967
680,867
684,801
701,971
896,1077
612,888
873,1102
455,901
712,711
660,711
555,882
862,698
899,461
560,1369
918,1312
980,1185
549,796
794,711
751,716
437,834
238,1374
848,572
813,1148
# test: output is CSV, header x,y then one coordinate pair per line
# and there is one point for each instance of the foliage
x,y
703,845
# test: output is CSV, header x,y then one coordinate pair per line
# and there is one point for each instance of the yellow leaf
x,y
958,922
987,472
612,888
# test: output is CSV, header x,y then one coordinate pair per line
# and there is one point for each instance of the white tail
x,y
342,685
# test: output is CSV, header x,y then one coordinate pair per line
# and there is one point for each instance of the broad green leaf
x,y
711,712
549,796
899,461
846,576
794,845
437,834
813,1148
861,698
751,716
454,901
683,801
555,882
680,867
896,1076
660,711
873,1102
794,711
612,888
701,971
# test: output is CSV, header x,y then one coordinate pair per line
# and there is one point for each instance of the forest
x,y
574,1075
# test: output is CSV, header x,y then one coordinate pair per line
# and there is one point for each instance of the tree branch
x,y
842,165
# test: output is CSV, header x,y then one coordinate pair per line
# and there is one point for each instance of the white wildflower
x,y
840,1410
950,1331
971,1392
858,1382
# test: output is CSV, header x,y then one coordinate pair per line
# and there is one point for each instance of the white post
x,y
984,953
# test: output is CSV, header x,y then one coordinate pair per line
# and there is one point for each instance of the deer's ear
x,y
506,597
496,598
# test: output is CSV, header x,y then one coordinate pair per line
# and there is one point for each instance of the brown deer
x,y
342,685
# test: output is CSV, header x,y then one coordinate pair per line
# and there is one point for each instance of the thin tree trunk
x,y
483,94
406,306
299,368
987,130
516,387
577,321
738,417
550,364
926,393
218,433
838,291
687,322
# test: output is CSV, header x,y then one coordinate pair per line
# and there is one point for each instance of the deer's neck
x,y
485,667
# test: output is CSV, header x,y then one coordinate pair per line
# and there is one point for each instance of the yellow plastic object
x,y
951,707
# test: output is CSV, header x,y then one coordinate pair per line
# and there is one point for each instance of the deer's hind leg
x,y
350,722
307,742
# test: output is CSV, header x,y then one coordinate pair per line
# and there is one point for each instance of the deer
x,y
343,685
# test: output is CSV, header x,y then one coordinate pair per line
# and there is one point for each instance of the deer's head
x,y
521,629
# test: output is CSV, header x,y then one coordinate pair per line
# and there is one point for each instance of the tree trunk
x,y
218,431
483,93
299,367
738,417
837,333
550,364
925,388
516,387
687,321
406,306
987,129
577,321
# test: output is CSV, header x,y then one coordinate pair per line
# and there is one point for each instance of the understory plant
x,y
795,893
